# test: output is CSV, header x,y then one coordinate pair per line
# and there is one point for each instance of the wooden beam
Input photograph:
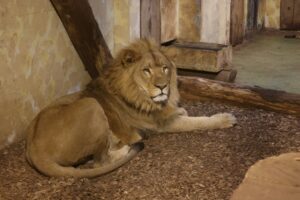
x,y
199,88
82,28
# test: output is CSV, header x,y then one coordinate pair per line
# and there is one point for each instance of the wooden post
x,y
150,20
199,88
169,19
237,22
82,28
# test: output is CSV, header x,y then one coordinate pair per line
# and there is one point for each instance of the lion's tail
x,y
50,168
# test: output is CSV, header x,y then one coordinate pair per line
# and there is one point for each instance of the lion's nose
x,y
161,86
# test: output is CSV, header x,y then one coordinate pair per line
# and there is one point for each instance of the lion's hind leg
x,y
125,153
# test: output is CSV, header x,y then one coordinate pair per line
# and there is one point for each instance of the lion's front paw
x,y
224,120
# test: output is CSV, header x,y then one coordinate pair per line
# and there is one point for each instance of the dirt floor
x,y
198,165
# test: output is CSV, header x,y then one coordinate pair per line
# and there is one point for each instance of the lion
x,y
136,92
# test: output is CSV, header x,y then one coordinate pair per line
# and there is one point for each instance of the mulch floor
x,y
196,165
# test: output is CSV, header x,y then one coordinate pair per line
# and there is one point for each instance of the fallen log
x,y
227,75
199,88
82,28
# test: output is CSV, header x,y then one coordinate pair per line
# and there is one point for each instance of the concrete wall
x,y
38,64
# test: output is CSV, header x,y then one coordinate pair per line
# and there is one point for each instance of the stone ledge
x,y
202,56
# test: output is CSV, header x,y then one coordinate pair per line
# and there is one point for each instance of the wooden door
x,y
290,14
237,22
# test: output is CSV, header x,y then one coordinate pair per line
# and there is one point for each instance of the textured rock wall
x,y
38,64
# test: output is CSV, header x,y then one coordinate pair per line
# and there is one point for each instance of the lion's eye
x,y
165,69
147,71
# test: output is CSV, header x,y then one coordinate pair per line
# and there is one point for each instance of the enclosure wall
x,y
38,64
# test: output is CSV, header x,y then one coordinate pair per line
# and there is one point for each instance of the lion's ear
x,y
169,52
129,56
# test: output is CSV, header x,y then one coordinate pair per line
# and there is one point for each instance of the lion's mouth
x,y
160,98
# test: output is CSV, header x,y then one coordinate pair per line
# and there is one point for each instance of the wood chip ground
x,y
200,165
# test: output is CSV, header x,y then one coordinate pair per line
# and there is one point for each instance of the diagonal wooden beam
x,y
82,28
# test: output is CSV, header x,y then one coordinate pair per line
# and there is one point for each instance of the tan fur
x,y
137,91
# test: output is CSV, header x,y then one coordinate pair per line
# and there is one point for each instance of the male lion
x,y
137,91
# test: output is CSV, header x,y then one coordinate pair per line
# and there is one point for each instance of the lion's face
x,y
143,77
153,77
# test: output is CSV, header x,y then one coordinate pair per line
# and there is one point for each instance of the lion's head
x,y
143,76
